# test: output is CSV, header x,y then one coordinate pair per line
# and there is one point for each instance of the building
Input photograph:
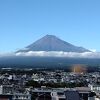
x,y
71,95
20,96
79,93
94,87
7,93
6,89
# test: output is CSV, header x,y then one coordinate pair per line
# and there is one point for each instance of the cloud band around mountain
x,y
59,54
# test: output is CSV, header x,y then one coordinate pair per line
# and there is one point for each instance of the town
x,y
32,84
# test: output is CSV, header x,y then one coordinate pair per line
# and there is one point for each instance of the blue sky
x,y
24,21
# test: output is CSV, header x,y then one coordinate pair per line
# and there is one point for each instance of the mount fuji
x,y
53,43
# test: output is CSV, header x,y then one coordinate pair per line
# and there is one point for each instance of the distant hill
x,y
46,62
53,43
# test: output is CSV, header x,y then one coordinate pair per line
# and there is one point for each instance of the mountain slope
x,y
52,43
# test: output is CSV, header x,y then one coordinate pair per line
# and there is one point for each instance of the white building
x,y
94,87
20,96
8,90
58,96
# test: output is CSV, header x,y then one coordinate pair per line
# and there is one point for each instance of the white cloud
x,y
60,54
54,54
93,50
